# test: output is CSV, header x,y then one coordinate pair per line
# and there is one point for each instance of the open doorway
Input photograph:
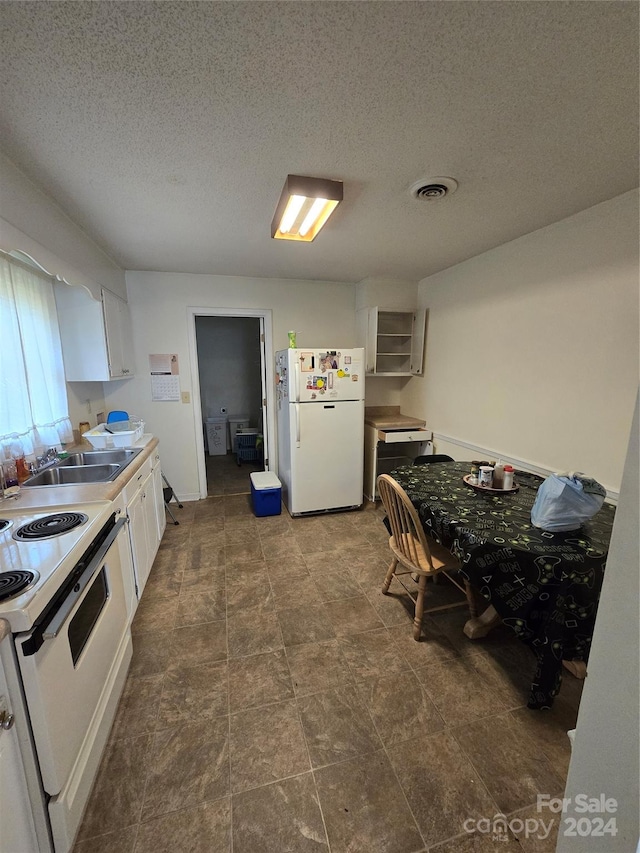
x,y
231,391
230,370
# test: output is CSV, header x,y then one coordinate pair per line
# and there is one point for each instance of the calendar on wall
x,y
165,377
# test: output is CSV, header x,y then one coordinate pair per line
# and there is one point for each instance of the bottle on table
x,y
22,469
11,486
507,481
485,477
498,475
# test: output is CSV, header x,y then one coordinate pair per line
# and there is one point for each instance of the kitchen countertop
x,y
41,497
390,417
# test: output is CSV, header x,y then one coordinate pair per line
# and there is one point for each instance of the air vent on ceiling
x,y
432,189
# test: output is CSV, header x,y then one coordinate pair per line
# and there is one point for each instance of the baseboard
x,y
193,496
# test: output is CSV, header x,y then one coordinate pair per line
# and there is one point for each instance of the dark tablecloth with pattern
x,y
545,586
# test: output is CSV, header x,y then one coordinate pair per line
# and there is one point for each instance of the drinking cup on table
x,y
485,476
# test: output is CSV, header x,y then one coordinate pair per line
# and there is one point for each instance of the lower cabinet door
x,y
136,512
158,498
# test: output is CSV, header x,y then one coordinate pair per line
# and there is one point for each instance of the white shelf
x,y
394,341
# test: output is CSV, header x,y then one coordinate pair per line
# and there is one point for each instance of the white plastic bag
x,y
566,501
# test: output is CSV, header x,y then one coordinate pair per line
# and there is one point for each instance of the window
x,y
34,411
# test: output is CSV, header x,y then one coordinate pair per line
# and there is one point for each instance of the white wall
x,y
33,223
532,347
605,753
322,313
85,400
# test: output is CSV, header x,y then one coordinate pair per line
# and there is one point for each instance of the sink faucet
x,y
48,457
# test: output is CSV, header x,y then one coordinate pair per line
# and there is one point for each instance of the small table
x,y
545,586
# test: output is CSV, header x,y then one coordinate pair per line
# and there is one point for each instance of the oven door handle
x,y
55,625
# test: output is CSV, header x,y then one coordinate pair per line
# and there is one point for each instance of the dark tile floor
x,y
277,702
226,477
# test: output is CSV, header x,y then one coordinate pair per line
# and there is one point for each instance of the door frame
x,y
267,369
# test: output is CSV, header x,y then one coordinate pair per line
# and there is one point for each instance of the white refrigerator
x,y
320,413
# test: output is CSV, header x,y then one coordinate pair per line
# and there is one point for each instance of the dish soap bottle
x,y
498,475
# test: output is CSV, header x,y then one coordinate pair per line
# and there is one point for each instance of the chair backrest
x,y
435,457
406,528
114,416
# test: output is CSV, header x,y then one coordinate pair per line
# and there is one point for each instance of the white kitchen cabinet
x,y
393,340
95,335
22,814
144,499
158,497
117,327
139,535
385,450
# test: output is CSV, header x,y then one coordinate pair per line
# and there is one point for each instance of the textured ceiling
x,y
166,130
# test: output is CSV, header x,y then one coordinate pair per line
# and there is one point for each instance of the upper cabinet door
x,y
95,335
117,327
417,342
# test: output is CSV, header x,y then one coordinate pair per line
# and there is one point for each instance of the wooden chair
x,y
421,558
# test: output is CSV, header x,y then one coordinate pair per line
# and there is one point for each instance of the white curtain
x,y
34,413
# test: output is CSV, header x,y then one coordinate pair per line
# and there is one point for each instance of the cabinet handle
x,y
6,720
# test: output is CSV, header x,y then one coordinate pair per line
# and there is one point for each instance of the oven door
x,y
73,675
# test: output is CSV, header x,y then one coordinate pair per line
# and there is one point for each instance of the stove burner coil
x,y
4,524
16,581
50,525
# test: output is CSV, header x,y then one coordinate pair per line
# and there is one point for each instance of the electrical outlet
x,y
223,410
186,397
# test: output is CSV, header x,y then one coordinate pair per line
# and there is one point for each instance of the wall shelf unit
x,y
394,341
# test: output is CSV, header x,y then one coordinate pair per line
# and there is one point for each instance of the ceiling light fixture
x,y
304,207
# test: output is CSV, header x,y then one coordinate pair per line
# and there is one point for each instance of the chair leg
x,y
417,622
471,599
389,576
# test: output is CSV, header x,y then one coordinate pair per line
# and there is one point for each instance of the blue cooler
x,y
266,493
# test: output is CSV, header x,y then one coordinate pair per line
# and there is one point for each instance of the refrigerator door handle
x,y
297,375
297,407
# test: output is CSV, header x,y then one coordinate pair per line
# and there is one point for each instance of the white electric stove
x,y
38,548
63,591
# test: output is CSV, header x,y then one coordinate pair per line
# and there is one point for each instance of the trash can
x,y
266,493
236,423
216,436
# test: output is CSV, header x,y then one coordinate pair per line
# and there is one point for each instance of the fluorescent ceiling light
x,y
304,207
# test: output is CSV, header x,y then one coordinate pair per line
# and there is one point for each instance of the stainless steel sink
x,y
59,475
89,466
99,457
